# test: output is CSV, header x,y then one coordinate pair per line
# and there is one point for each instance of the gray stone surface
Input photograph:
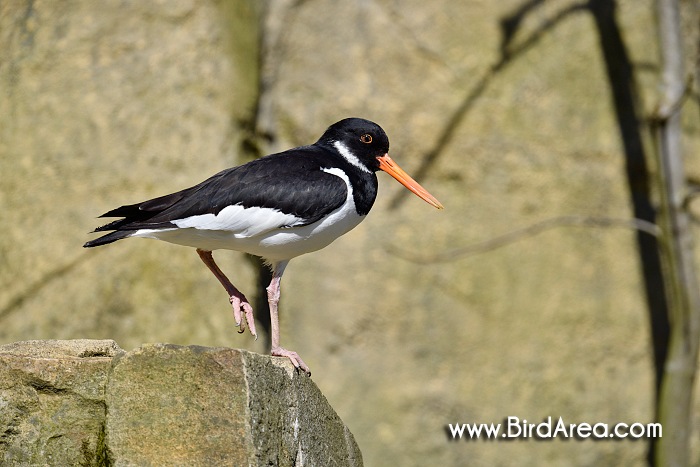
x,y
52,400
87,402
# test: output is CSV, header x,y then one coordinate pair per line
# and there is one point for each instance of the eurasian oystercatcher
x,y
276,207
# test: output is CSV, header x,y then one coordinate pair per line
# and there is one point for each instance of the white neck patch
x,y
349,156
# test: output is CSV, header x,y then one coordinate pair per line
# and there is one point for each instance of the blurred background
x,y
527,119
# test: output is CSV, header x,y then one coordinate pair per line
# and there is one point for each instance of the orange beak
x,y
387,164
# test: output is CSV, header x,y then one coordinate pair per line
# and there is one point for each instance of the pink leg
x,y
237,299
273,298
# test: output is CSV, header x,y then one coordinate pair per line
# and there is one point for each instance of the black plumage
x,y
292,182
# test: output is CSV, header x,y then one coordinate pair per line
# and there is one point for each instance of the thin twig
x,y
668,109
526,232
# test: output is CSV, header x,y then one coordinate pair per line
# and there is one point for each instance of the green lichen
x,y
98,457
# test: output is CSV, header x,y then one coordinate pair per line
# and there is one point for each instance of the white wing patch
x,y
262,231
240,221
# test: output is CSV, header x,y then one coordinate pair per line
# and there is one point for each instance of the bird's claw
x,y
242,307
293,357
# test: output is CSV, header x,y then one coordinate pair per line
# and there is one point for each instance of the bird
x,y
276,207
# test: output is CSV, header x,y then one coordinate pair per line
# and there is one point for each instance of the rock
x,y
88,402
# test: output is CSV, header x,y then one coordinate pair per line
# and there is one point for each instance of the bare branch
x,y
675,400
526,232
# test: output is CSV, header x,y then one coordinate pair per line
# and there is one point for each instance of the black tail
x,y
109,238
139,216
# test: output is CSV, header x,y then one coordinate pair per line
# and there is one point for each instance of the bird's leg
x,y
237,299
273,298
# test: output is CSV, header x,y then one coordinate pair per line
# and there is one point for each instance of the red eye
x,y
366,138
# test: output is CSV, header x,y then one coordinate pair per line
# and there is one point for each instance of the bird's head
x,y
365,144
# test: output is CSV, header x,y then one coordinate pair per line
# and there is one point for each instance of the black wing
x,y
291,182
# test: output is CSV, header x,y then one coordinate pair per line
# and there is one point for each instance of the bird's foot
x,y
242,307
293,356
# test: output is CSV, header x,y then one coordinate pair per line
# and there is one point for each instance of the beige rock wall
x,y
110,104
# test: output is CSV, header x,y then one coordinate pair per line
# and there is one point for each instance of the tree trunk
x,y
675,399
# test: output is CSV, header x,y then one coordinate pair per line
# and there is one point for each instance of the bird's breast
x,y
294,241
